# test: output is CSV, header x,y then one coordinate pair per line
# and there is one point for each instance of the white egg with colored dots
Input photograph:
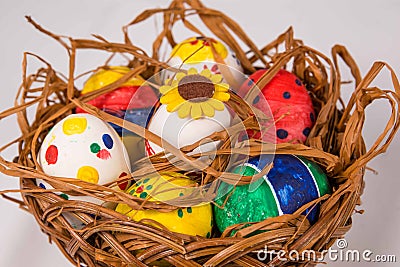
x,y
84,147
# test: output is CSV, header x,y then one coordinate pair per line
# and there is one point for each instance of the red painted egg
x,y
289,102
131,101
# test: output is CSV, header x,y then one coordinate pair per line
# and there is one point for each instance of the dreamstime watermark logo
x,y
341,254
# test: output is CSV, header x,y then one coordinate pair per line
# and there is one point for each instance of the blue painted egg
x,y
291,183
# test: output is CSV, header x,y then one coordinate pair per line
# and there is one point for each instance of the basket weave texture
x,y
112,239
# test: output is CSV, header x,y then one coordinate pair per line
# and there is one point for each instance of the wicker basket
x,y
112,239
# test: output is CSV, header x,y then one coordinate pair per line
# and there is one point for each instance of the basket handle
x,y
353,153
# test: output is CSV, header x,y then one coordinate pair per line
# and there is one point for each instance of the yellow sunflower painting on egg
x,y
195,94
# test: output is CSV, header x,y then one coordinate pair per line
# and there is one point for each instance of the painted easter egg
x,y
291,183
197,52
195,221
192,107
289,101
131,101
84,147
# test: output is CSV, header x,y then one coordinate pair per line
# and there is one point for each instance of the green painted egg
x,y
291,183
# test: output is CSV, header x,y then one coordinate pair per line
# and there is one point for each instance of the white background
x,y
369,29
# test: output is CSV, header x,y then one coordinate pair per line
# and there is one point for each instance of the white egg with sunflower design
x,y
200,53
192,108
84,147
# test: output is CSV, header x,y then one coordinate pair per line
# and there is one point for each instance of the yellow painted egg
x,y
197,52
195,221
105,77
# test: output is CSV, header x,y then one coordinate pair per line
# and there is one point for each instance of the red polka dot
x,y
51,154
123,185
104,154
140,189
215,69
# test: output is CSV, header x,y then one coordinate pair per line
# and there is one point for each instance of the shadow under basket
x,y
108,238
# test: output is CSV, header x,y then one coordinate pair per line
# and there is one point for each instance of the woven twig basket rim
x,y
112,239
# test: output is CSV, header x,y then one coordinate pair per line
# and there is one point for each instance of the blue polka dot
x,y
149,187
42,186
108,142
256,100
312,117
286,95
306,131
236,59
298,82
250,82
282,134
244,137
